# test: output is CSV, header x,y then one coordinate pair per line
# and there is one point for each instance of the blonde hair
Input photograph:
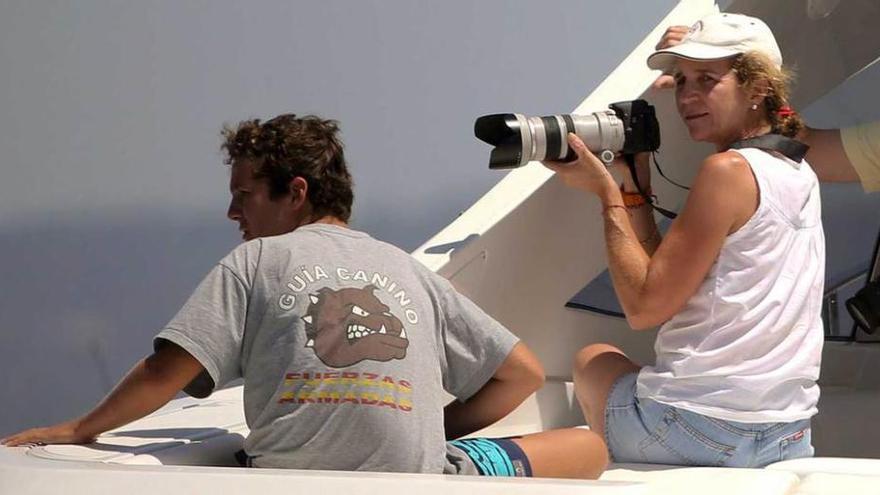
x,y
754,68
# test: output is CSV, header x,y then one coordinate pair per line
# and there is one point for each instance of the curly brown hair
x,y
753,68
287,147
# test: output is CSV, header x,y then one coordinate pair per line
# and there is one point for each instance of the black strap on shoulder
x,y
793,149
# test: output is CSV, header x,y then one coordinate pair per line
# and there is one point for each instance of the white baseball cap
x,y
718,36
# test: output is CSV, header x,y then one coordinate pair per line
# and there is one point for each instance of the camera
x,y
627,127
864,307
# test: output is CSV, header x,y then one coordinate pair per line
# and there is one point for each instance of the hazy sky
x,y
109,107
112,188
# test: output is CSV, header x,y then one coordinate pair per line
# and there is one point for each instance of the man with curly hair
x,y
345,343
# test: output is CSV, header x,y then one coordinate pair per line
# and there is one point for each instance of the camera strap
x,y
792,149
631,165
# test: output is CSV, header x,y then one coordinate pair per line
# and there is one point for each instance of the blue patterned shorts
x,y
495,456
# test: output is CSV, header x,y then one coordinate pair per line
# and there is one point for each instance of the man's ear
x,y
299,191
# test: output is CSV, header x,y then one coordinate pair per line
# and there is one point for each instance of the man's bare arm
x,y
517,378
827,156
149,385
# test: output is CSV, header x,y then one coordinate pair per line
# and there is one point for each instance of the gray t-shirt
x,y
345,344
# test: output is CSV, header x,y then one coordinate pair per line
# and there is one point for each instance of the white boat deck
x,y
173,451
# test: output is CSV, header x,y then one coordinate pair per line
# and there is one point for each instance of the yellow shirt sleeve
x,y
862,146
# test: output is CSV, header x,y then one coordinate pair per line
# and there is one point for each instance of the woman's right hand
x,y
67,432
586,172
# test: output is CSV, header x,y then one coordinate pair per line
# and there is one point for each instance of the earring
x,y
754,106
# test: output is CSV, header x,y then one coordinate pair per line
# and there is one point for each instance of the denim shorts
x,y
646,431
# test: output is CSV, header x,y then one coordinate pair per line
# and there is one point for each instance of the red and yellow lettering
x,y
388,401
328,397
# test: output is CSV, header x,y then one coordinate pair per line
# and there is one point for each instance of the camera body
x,y
640,126
627,127
864,307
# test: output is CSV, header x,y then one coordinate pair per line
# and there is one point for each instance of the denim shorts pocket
x,y
796,445
746,433
691,441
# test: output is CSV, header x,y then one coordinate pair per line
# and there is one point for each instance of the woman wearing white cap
x,y
736,282
849,154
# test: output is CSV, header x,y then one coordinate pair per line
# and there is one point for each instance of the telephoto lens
x,y
629,127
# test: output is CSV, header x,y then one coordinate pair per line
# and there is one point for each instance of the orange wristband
x,y
633,199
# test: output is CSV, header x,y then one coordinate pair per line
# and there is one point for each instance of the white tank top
x,y
747,345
